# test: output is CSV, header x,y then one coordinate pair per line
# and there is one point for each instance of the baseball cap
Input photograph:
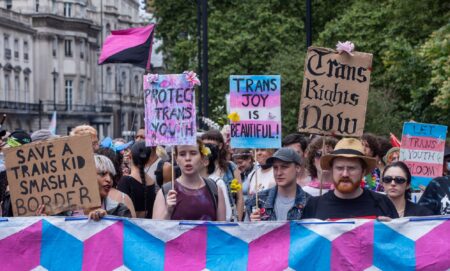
x,y
21,137
286,155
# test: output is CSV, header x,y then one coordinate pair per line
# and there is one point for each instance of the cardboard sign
x,y
334,93
422,150
256,101
169,110
59,173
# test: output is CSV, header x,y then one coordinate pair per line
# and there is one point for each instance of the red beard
x,y
346,186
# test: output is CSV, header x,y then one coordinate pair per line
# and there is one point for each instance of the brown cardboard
x,y
335,92
59,173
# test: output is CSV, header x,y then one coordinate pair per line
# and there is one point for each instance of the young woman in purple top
x,y
192,197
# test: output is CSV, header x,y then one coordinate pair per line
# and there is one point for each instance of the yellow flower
x,y
234,117
235,186
206,151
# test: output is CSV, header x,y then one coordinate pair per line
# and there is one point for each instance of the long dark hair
x,y
405,169
223,153
140,154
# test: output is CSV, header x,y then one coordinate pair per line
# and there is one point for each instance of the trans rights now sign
x,y
422,150
255,99
169,110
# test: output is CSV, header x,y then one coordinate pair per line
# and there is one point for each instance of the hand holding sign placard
x,y
169,110
334,93
59,174
256,114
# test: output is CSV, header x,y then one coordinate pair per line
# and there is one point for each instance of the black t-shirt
x,y
437,196
412,209
137,192
368,205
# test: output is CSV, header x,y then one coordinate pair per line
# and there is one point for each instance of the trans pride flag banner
x,y
255,102
422,150
54,243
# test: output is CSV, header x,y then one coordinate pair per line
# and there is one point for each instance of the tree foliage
x,y
409,40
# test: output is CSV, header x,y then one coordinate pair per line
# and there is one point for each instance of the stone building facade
x,y
48,61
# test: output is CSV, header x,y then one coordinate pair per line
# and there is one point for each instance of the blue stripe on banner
x,y
392,250
224,251
424,129
60,250
308,250
141,250
256,143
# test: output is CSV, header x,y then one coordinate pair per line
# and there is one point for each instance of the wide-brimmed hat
x,y
348,148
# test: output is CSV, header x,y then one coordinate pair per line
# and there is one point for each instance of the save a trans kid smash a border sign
x,y
422,150
256,104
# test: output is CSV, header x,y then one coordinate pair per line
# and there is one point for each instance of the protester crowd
x,y
321,177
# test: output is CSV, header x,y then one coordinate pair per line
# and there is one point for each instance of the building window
x,y
16,48
7,47
27,89
82,49
108,79
37,5
68,9
69,89
81,96
8,4
68,48
136,85
25,50
7,87
17,88
54,6
54,46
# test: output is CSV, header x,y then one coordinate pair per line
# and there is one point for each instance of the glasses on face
x,y
397,180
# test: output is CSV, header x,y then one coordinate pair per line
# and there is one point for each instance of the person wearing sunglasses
x,y
396,180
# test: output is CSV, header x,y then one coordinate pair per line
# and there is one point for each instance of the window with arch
x,y
27,89
136,85
124,82
7,87
16,88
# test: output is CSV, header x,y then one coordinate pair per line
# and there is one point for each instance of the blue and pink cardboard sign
x,y
256,100
169,110
422,150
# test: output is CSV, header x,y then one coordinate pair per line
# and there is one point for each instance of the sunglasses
x,y
397,180
318,154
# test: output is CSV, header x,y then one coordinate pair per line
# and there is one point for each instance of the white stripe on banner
x,y
421,156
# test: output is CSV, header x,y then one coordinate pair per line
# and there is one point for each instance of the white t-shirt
x,y
266,180
220,183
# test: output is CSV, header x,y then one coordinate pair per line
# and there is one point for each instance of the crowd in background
x,y
321,177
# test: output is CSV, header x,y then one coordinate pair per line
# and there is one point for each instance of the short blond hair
x,y
84,130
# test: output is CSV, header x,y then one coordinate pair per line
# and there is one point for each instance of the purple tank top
x,y
194,204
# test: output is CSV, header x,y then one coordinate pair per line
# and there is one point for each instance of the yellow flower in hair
x,y
206,151
235,186
234,117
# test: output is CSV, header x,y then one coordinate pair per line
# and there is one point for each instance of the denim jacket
x,y
266,200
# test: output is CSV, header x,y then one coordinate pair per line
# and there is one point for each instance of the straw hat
x,y
348,148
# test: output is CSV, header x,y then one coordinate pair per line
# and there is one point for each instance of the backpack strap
x,y
213,190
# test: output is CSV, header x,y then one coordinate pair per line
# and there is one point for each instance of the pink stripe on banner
x,y
104,250
353,250
237,101
424,169
21,250
188,251
270,251
422,143
433,249
120,40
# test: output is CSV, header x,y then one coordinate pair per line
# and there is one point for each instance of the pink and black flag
x,y
132,45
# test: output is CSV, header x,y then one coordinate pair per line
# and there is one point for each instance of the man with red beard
x,y
349,165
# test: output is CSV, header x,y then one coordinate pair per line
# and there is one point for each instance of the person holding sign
x,y
287,199
191,197
396,181
139,186
348,165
